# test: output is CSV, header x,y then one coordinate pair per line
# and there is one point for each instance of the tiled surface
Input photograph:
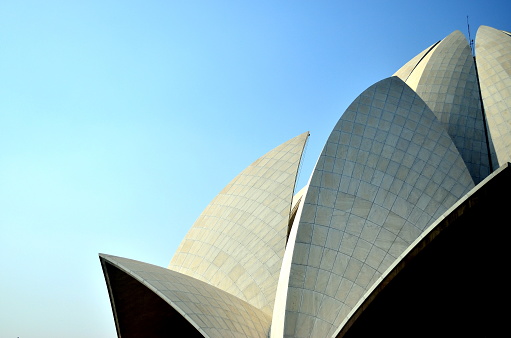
x,y
387,171
493,51
238,242
449,86
212,311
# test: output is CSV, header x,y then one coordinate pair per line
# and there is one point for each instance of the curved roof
x,y
446,80
493,51
387,171
211,311
238,242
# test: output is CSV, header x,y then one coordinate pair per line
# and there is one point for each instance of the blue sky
x,y
121,120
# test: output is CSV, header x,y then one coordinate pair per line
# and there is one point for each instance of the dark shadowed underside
x,y
139,312
452,283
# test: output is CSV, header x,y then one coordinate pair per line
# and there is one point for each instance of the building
x,y
390,236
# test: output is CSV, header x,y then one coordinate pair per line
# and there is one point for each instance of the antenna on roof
x,y
471,42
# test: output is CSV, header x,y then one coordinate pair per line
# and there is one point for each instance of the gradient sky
x,y
121,120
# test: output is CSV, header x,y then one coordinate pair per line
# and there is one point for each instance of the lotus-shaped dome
x,y
404,181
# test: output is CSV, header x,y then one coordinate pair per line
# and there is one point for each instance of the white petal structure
x,y
234,250
493,48
238,242
445,78
390,217
387,171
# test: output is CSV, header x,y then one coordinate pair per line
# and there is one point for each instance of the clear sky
x,y
121,120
